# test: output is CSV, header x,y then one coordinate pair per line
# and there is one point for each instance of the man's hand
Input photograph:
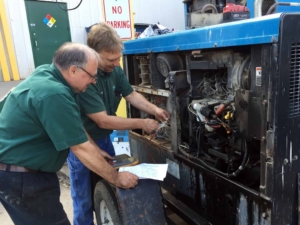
x,y
161,114
126,180
150,125
105,155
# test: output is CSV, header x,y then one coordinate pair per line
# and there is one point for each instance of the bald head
x,y
76,54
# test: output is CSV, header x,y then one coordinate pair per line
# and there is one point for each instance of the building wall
x,y
19,29
169,13
87,14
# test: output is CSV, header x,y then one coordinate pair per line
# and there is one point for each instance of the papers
x,y
148,171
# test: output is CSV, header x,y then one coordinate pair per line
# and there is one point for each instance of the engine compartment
x,y
210,113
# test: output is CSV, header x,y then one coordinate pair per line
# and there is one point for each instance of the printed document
x,y
148,171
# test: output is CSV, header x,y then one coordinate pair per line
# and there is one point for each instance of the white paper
x,y
148,171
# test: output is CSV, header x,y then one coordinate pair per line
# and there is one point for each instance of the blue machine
x,y
233,91
246,32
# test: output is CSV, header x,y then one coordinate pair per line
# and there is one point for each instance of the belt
x,y
13,168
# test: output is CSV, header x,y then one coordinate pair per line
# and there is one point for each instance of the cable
x,y
272,8
229,175
192,110
65,9
244,161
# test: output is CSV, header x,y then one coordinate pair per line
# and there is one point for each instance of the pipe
x,y
208,7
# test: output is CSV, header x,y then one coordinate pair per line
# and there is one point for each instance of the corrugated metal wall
x,y
169,13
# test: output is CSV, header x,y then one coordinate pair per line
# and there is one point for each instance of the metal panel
x,y
247,32
286,135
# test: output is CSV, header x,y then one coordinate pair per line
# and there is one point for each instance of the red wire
x,y
151,137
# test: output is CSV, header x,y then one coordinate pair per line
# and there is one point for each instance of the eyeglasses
x,y
94,77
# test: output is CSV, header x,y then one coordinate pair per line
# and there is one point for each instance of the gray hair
x,y
71,53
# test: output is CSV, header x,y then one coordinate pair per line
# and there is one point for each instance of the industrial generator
x,y
231,84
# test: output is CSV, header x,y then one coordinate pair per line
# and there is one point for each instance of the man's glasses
x,y
94,77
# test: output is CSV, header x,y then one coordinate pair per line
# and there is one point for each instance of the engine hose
x,y
202,162
234,174
208,7
245,159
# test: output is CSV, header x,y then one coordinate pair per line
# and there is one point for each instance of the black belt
x,y
13,168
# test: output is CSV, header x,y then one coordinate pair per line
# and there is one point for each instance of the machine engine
x,y
212,121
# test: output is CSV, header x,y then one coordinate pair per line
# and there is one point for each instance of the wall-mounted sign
x,y
49,20
117,14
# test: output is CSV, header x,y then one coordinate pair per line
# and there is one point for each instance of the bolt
x,y
295,157
263,138
285,161
264,215
264,102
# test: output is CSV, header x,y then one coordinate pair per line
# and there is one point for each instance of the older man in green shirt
x,y
39,122
99,105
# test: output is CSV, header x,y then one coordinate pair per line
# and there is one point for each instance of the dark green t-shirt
x,y
105,95
39,121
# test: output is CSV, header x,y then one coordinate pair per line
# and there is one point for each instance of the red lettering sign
x,y
116,9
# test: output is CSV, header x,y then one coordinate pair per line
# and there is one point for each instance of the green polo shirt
x,y
105,95
39,121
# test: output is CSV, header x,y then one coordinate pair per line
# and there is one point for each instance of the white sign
x,y
117,14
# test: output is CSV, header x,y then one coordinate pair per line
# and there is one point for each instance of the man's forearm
x,y
141,103
119,123
116,123
90,156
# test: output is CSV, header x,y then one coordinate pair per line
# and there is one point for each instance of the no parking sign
x,y
117,14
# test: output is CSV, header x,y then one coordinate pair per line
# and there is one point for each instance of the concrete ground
x,y
5,87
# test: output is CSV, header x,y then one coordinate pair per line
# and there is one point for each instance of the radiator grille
x,y
266,5
294,100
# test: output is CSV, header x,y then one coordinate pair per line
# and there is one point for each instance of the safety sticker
x,y
258,76
49,20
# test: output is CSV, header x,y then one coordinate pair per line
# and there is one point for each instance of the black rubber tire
x,y
104,192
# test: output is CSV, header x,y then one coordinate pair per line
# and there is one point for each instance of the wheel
x,y
106,207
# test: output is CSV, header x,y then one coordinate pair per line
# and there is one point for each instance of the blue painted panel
x,y
288,8
246,32
250,6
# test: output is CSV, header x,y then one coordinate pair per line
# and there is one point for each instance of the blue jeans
x,y
32,198
80,180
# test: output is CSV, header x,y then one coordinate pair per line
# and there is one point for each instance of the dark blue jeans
x,y
80,180
32,198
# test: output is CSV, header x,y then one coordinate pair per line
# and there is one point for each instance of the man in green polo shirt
x,y
39,122
99,105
